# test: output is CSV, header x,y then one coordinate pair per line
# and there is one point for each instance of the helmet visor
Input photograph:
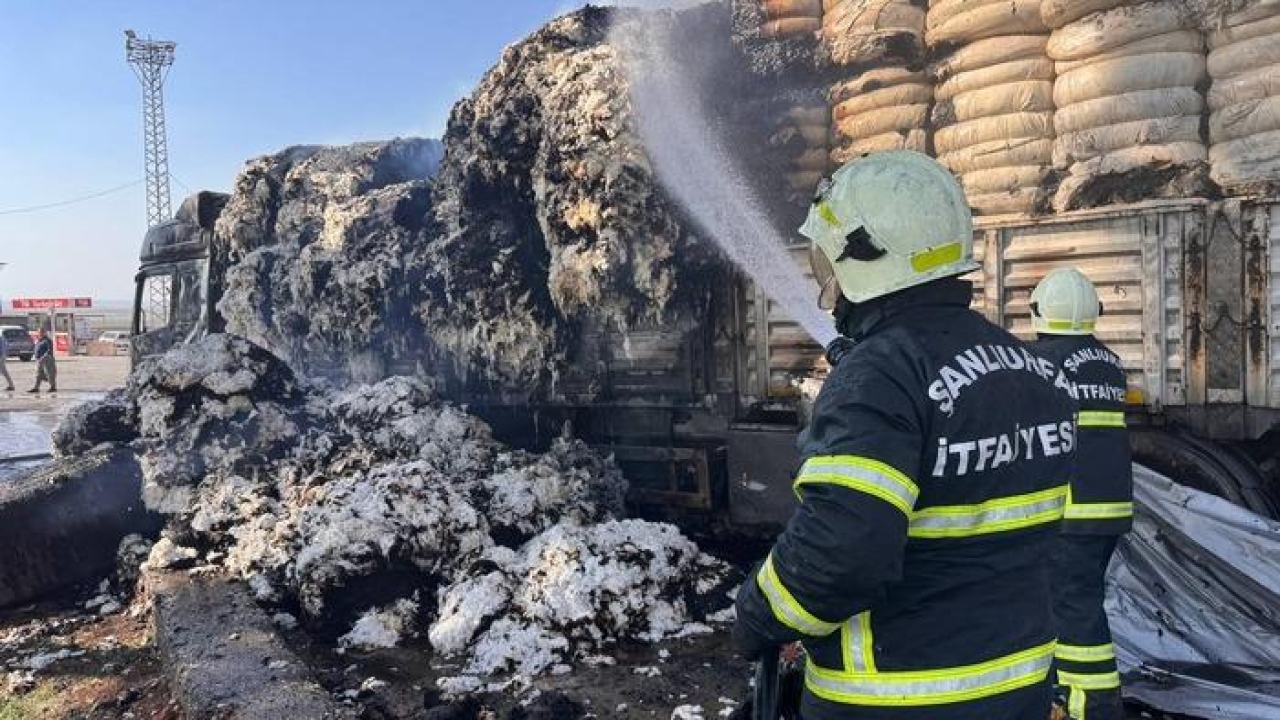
x,y
825,275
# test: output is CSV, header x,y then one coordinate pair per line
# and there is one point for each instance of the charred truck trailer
x,y
704,421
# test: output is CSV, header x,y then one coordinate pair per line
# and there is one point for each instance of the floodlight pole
x,y
151,60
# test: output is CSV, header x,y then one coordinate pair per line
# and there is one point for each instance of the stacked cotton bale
x,y
1128,101
1244,101
881,109
862,32
993,119
803,137
883,102
787,18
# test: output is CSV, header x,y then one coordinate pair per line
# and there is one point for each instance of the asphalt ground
x,y
27,419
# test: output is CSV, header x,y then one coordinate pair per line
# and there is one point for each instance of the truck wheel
x,y
1216,468
25,358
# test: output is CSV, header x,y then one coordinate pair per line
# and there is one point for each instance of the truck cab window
x,y
157,300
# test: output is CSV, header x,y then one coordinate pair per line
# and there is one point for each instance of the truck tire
x,y
878,122
1129,107
1018,97
1126,75
999,74
1057,13
1002,180
1191,41
1009,17
991,51
875,80
1088,144
1238,58
1245,120
1014,125
1258,84
25,357
898,95
999,153
1111,29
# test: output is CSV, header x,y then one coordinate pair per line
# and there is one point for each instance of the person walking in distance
x,y
1065,311
46,366
934,477
4,357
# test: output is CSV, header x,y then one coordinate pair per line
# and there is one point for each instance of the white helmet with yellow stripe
x,y
887,222
1065,303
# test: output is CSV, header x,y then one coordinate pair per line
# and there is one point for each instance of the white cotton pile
x,y
571,591
380,510
382,628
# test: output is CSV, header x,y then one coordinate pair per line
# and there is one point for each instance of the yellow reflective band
x,y
1100,419
1089,681
826,213
932,687
856,642
1086,653
784,605
1085,325
1098,511
862,474
1015,512
1077,703
936,257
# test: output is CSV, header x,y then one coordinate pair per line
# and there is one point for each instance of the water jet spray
x,y
691,163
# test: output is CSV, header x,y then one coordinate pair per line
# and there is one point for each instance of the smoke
x,y
667,83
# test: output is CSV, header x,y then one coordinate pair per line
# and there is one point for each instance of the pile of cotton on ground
x,y
363,508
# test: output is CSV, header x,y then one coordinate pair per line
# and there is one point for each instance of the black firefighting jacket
x,y
1101,499
934,478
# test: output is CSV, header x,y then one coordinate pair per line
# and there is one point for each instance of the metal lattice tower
x,y
151,60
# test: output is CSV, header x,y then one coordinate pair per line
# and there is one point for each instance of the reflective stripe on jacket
x,y
934,478
1101,499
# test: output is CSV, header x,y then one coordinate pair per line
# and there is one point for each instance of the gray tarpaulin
x,y
1194,604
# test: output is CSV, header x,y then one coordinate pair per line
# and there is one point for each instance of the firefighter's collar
x,y
861,319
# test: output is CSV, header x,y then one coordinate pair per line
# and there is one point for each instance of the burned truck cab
x,y
176,285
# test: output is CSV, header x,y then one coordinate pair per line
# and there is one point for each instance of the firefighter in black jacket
x,y
934,477
1099,509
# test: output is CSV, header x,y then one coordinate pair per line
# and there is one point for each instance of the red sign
x,y
51,303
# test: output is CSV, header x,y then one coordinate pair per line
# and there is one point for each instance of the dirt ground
x,y
110,670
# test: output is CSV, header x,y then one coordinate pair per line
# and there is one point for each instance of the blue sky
x,y
251,77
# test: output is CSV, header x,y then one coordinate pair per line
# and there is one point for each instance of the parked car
x,y
19,342
119,337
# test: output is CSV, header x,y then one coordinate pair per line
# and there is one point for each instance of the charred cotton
x,y
382,512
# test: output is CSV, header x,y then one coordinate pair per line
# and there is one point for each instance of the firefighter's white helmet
x,y
1065,303
887,222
